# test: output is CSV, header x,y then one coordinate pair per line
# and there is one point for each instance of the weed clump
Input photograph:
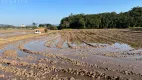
x,y
46,30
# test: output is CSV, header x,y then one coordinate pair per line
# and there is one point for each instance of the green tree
x,y
132,18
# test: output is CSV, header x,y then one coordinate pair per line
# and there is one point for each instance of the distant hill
x,y
6,26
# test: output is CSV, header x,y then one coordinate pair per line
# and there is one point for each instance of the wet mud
x,y
68,56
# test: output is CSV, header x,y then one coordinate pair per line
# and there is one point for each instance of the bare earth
x,y
97,54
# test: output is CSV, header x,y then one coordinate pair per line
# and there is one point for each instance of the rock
x,y
71,78
126,72
31,73
117,78
8,63
108,77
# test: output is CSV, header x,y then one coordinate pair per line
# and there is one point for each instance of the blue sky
x,y
52,11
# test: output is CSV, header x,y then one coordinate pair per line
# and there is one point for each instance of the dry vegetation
x,y
17,36
110,36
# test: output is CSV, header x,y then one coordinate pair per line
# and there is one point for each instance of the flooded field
x,y
72,55
11,33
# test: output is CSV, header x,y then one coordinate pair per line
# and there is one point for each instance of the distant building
x,y
23,25
39,30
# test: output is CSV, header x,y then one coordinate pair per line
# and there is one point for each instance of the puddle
x,y
65,45
134,57
38,46
56,42
1,51
13,47
122,46
73,44
14,33
22,54
117,47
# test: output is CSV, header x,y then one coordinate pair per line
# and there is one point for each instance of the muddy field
x,y
99,54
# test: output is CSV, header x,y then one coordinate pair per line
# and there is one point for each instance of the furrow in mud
x,y
73,54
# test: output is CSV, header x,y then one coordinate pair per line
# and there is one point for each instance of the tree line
x,y
132,18
6,26
48,26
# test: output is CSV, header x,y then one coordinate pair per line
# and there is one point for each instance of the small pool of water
x,y
122,46
38,46
65,45
13,47
117,47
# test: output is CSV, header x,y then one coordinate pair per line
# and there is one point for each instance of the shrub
x,y
45,30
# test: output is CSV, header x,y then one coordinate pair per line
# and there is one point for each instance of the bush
x,y
45,30
49,26
53,28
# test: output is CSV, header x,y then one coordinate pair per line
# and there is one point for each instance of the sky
x,y
17,12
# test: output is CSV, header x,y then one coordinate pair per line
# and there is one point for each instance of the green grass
x,y
136,28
